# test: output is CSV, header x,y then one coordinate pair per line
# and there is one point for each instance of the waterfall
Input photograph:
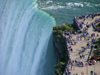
x,y
24,36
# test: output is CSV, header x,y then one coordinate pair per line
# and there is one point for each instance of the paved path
x,y
76,48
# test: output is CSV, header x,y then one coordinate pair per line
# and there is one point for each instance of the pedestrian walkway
x,y
80,46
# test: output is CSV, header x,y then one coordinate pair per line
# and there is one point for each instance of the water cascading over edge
x,y
25,33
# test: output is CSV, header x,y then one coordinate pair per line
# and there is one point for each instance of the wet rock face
x,y
57,51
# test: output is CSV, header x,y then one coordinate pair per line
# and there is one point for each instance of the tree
x,y
98,42
57,72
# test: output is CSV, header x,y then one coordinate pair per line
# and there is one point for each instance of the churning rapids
x,y
24,36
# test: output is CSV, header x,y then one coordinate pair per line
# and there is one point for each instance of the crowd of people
x,y
84,17
81,53
84,34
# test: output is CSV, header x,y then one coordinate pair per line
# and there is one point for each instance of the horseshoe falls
x,y
25,39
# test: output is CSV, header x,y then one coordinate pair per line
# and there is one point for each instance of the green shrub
x,y
60,67
57,34
58,30
97,25
98,41
57,72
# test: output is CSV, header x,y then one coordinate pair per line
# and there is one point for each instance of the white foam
x,y
78,5
71,4
53,7
88,4
49,2
97,4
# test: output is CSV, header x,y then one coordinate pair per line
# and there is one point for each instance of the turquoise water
x,y
65,10
26,46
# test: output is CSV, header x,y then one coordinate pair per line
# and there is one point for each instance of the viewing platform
x,y
80,45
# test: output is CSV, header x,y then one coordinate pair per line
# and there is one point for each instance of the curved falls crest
x,y
24,37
